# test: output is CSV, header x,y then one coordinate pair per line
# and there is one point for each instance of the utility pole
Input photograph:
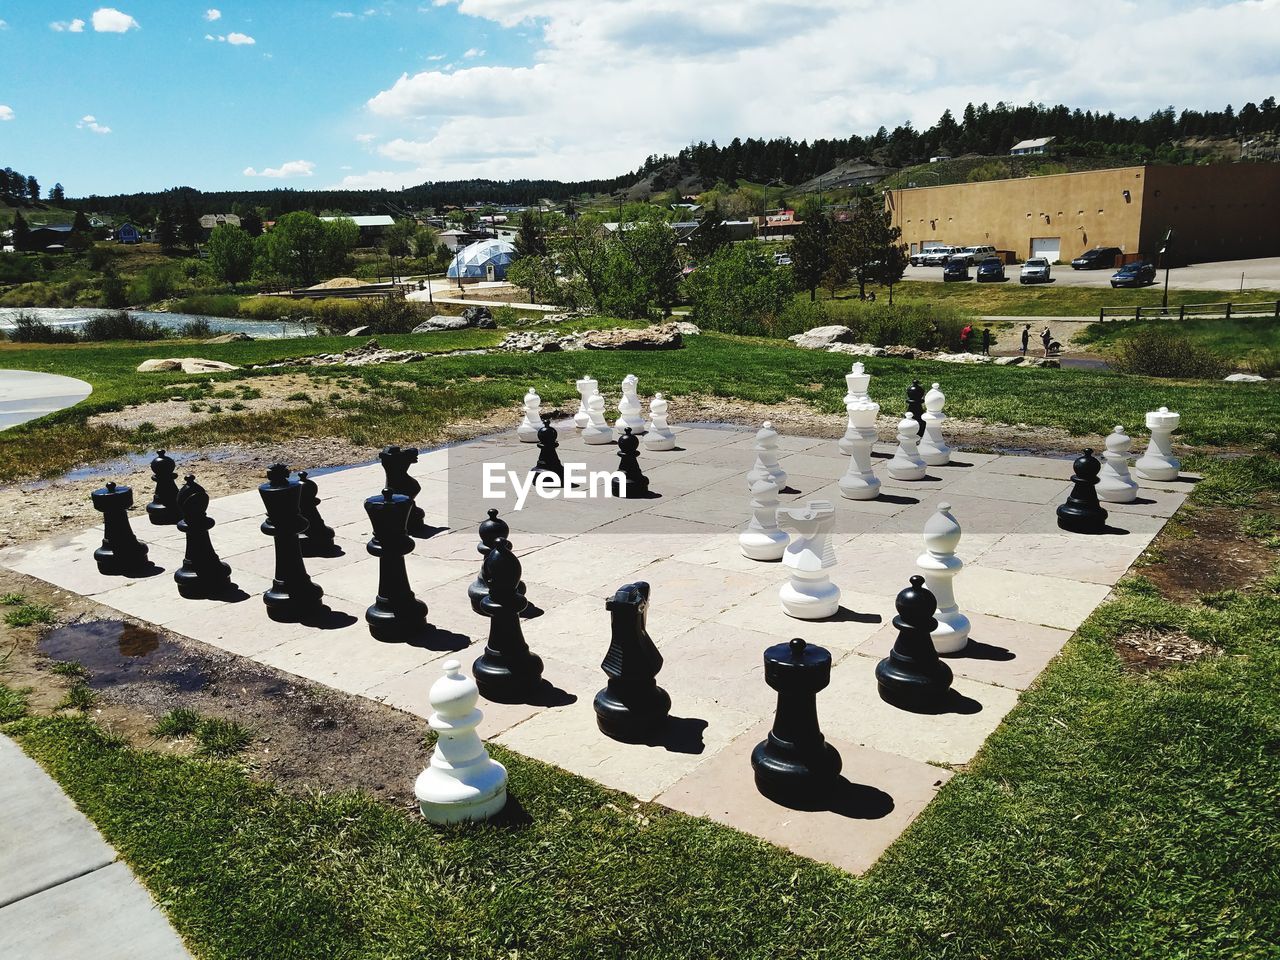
x,y
1164,255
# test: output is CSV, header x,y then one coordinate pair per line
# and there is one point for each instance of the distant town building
x,y
211,220
128,233
778,225
371,227
484,260
1025,148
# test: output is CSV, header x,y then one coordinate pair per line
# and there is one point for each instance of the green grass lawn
x,y
1113,814
1239,337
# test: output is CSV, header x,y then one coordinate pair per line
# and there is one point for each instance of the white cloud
x,y
473,53
614,81
4,24
111,20
73,26
293,168
343,15
6,112
240,40
437,56
212,14
90,122
365,137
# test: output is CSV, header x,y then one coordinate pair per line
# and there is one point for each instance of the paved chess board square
x,y
1026,585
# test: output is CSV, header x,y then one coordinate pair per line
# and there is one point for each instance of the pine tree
x,y
711,234
811,251
57,194
531,240
21,232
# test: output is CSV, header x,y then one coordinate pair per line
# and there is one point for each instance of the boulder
x,y
688,329
186,365
819,338
661,337
473,316
906,353
230,338
857,349
432,324
159,366
358,331
486,323
1244,378
962,358
1009,361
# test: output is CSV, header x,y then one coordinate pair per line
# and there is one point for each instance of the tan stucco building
x,y
1218,212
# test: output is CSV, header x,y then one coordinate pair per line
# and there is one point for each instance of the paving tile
x,y
1034,598
996,486
242,627
1004,653
358,582
1048,468
1101,560
261,560
698,591
719,662
1151,502
157,600
878,796
851,709
860,615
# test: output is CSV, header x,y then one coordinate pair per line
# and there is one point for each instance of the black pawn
x,y
507,670
293,594
912,676
795,765
491,531
317,538
915,404
121,551
202,573
163,508
637,485
1082,513
396,613
548,460
632,706
396,462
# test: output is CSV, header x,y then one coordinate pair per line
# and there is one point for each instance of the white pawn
x,y
809,594
1158,463
532,422
586,387
906,463
629,409
933,446
1115,485
657,432
763,539
597,429
856,381
766,447
858,482
939,565
460,781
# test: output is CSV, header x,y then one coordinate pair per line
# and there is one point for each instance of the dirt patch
x,y
1203,551
305,737
1151,648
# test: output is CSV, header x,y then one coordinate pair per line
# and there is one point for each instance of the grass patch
x,y
221,738
29,615
178,722
1245,341
13,599
70,668
78,697
13,703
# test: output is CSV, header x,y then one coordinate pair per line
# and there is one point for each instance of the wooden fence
x,y
1267,308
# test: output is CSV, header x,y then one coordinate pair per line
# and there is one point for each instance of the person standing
x,y
1026,337
1046,338
965,333
986,341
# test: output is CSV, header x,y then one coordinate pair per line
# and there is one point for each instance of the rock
x,y
186,365
1009,361
526,342
1244,378
486,323
906,353
432,324
661,337
159,366
688,329
358,331
474,315
962,358
230,338
857,349
819,338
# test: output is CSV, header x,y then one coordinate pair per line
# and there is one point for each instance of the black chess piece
x,y
491,531
317,538
1082,513
637,484
396,461
632,706
396,613
202,573
293,593
163,508
795,765
121,551
507,670
915,404
548,460
912,676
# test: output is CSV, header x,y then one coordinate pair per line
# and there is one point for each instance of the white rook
x,y
460,782
586,387
933,446
532,422
858,482
1115,485
657,432
939,565
809,594
1158,463
763,539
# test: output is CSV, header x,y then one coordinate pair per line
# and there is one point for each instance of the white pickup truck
x,y
932,256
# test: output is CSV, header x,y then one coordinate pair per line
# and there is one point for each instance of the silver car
x,y
1035,270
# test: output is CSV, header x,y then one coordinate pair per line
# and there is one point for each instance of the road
x,y
25,395
1260,274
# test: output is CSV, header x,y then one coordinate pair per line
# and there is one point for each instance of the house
x,y
371,227
211,220
128,233
457,238
740,229
781,224
51,238
1026,148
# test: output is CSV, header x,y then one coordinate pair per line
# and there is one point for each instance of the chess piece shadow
x,y
512,816
231,593
898,498
976,650
855,801
318,548
543,694
953,701
790,489
325,618
677,735
425,531
1106,530
845,615
432,637
956,463
531,612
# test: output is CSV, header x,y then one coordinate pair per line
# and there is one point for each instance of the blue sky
x,y
147,94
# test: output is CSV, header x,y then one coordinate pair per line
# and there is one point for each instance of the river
x,y
75,317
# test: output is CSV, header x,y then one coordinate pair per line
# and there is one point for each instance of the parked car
x,y
935,256
1099,258
975,254
991,270
1035,270
1139,274
956,268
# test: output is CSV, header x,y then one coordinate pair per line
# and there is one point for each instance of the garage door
x,y
1047,247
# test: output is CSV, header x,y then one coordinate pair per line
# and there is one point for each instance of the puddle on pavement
x,y
131,463
115,652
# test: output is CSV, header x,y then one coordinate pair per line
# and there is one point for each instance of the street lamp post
x,y
1164,256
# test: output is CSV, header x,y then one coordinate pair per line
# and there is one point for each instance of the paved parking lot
x,y
1260,274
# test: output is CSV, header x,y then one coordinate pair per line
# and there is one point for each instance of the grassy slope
x,y
959,169
1111,815
1237,337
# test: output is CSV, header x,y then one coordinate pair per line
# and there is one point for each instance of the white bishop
x,y
532,422
1115,485
657,432
933,446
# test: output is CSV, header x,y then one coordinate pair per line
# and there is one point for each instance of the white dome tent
x,y
482,260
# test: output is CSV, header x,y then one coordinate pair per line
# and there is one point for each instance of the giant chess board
x,y
1026,585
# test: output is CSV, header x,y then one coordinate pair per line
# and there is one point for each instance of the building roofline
x,y
1045,176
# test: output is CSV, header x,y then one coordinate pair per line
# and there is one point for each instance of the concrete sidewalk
x,y
63,891
26,394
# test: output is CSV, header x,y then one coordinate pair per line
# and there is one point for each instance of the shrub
x,y
27,329
1159,352
1265,363
389,314
221,738
155,283
210,305
121,326
197,329
738,289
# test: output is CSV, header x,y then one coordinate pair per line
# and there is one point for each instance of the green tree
x,y
811,251
251,223
397,239
710,235
303,249
165,231
739,290
189,230
33,189
81,223
231,253
114,294
641,267
21,232
893,257
538,276
531,240
57,194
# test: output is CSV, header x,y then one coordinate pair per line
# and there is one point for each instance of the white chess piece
x,y
906,463
763,539
586,387
809,594
1158,463
629,409
856,382
460,782
933,446
597,429
766,447
939,565
532,422
657,432
1115,485
858,482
